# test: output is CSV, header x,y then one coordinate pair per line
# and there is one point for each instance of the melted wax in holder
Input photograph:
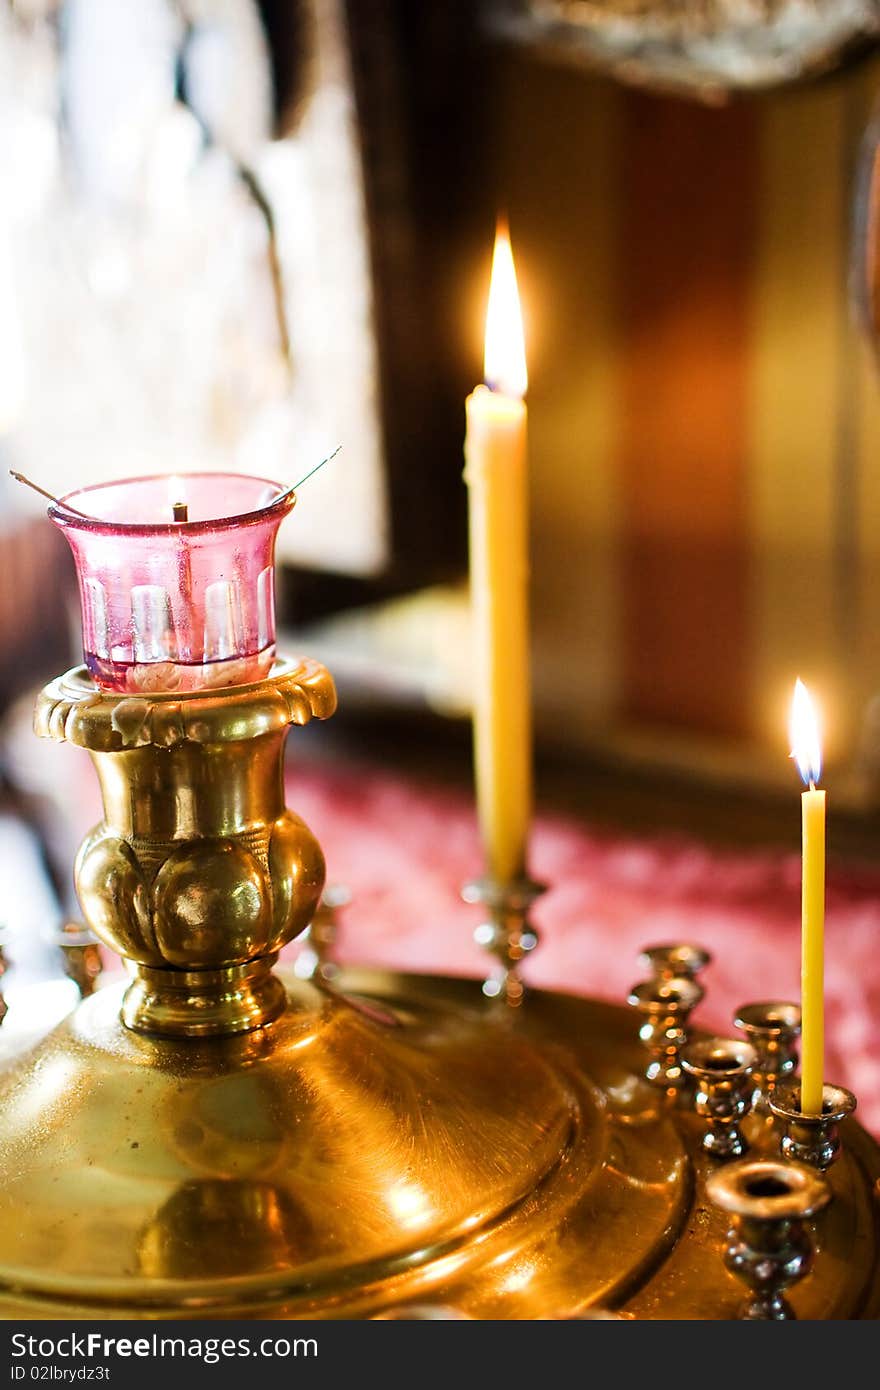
x,y
176,604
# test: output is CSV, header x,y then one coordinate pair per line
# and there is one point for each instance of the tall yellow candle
x,y
495,471
806,750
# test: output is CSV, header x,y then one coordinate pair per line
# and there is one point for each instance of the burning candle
x,y
495,454
807,753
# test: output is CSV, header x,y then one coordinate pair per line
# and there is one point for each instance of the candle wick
x,y
812,785
180,511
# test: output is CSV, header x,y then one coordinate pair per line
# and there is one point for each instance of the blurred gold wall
x,y
704,411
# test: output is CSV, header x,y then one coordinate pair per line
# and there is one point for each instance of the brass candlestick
x,y
82,957
198,874
682,960
722,1070
813,1139
507,934
768,1245
317,956
773,1029
665,1005
221,1137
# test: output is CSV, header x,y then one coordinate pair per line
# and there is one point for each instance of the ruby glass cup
x,y
183,604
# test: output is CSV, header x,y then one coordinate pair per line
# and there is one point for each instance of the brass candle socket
x,y
812,1139
773,1028
82,957
198,874
665,1005
722,1071
317,956
507,934
769,1246
680,961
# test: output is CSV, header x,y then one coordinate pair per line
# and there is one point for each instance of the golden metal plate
x,y
399,1139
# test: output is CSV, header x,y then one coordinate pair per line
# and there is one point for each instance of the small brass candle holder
x,y
722,1070
665,1005
507,934
82,957
773,1028
813,1139
769,1246
317,957
677,961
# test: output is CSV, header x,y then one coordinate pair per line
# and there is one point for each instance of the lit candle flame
x,y
504,361
803,731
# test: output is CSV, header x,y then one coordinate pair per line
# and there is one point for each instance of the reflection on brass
x,y
682,960
198,874
813,1139
82,957
722,1070
395,1141
665,1005
508,935
773,1028
769,1245
249,1226
422,1312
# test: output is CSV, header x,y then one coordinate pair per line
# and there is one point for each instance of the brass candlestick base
x,y
397,1141
219,1139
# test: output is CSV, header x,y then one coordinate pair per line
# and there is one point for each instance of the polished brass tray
x,y
395,1140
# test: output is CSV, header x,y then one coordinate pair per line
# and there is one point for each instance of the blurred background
x,y
234,233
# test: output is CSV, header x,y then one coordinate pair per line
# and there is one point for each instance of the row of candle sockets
x,y
771,1201
236,641
724,1079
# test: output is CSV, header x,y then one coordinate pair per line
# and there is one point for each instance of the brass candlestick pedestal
x,y
220,1139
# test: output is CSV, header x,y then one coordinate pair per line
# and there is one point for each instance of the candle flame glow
x,y
803,729
504,360
176,491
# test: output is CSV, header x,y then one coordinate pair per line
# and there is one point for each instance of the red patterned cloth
x,y
403,851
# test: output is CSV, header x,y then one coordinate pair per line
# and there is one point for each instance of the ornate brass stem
x,y
507,934
198,874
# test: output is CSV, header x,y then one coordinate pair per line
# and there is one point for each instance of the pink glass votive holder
x,y
176,605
